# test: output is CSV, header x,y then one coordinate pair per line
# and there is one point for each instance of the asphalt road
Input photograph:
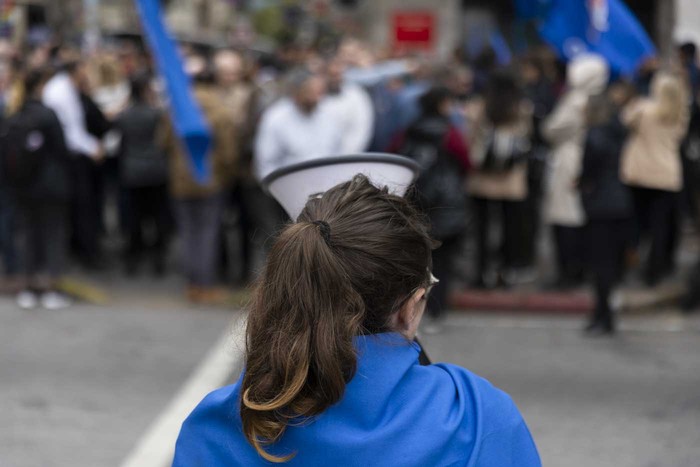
x,y
80,387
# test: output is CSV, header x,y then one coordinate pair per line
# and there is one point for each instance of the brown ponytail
x,y
351,260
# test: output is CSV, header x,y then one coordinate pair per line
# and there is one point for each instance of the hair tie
x,y
325,230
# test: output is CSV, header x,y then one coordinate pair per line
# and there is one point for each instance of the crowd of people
x,y
603,161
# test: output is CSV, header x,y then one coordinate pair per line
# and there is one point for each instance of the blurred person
x,y
385,101
11,98
111,90
688,55
330,342
459,80
198,206
440,150
237,93
62,94
565,130
11,87
352,108
690,148
143,172
298,127
645,75
485,63
651,165
501,128
36,168
415,84
105,175
395,95
608,205
541,92
241,97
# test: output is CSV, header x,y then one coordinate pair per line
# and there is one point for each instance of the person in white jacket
x,y
352,108
565,130
298,127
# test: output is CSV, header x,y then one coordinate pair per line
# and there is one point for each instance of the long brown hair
x,y
352,259
669,98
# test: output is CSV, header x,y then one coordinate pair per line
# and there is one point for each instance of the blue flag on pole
x,y
187,117
605,27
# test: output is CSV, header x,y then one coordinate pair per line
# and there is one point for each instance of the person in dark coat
x,y
440,149
144,174
608,205
62,94
42,196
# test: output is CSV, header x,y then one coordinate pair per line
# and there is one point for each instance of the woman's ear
x,y
410,314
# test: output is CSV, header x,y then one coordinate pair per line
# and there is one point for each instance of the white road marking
x,y
157,446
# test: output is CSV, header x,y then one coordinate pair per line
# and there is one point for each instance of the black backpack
x,y
22,150
439,189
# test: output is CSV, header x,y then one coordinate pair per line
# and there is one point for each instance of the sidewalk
x,y
634,299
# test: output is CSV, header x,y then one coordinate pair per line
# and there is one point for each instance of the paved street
x,y
629,402
81,387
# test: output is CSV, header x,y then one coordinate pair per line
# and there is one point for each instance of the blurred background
x,y
560,146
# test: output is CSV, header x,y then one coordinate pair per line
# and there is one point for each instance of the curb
x,y
522,301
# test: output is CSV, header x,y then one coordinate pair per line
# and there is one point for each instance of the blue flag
x,y
605,27
187,117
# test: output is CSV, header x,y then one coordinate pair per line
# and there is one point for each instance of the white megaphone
x,y
293,185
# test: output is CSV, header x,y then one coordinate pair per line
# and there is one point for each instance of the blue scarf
x,y
394,412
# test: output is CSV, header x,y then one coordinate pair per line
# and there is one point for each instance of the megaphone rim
x,y
381,157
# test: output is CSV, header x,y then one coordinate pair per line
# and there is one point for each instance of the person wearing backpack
x,y
501,125
35,167
143,172
443,155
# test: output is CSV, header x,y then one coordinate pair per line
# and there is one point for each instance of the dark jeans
x,y
147,205
199,222
570,244
86,215
42,237
513,225
532,208
443,265
607,241
7,234
656,212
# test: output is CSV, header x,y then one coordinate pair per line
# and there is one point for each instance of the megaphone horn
x,y
293,185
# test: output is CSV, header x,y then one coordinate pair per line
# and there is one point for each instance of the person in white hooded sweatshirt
x,y
565,130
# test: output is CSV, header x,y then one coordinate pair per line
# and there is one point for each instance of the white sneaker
x,y
54,301
27,300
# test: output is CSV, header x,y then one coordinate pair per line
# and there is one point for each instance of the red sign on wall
x,y
413,30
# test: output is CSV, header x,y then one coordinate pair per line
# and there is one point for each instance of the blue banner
x,y
606,27
187,117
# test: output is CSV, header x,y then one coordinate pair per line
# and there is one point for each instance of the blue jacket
x,y
394,413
